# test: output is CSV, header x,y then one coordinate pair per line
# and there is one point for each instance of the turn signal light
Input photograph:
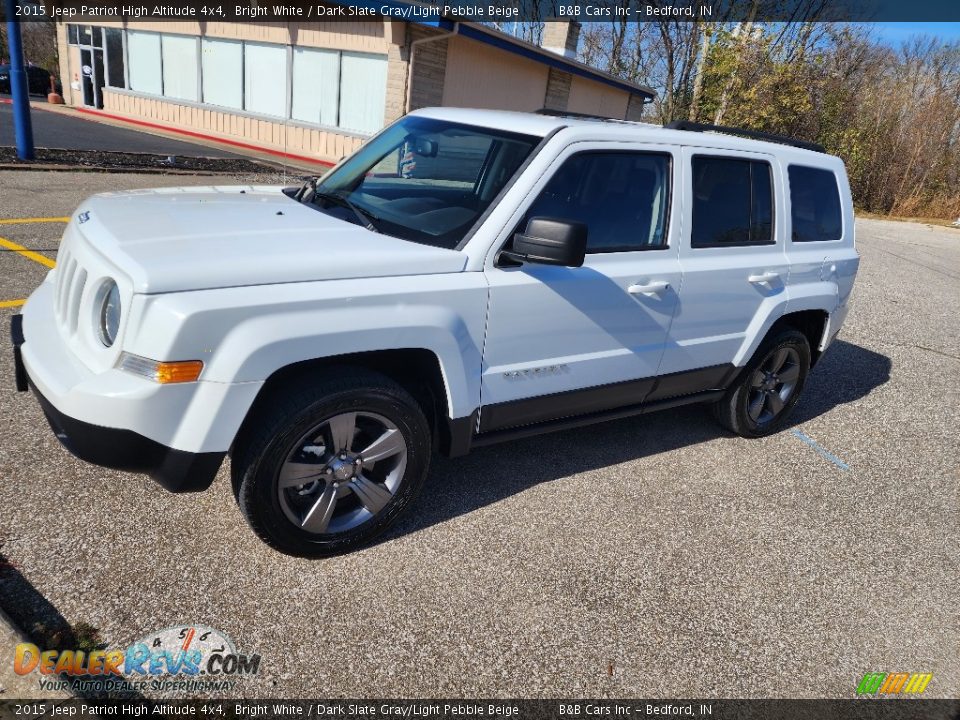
x,y
176,372
161,372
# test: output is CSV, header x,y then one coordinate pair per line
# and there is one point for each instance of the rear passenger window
x,y
622,198
814,204
732,202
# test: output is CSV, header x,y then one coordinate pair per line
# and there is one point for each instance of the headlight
x,y
108,312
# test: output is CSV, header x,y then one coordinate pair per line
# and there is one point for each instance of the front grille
x,y
71,279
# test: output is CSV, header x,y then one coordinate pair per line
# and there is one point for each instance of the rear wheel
x,y
329,464
768,388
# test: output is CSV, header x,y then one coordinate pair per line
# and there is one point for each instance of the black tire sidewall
x,y
740,399
258,495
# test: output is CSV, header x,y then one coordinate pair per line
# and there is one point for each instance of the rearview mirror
x,y
550,241
424,147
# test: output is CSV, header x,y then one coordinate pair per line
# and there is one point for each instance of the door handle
x,y
651,288
764,278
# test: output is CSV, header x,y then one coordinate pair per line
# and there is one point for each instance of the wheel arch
x,y
811,321
418,370
813,325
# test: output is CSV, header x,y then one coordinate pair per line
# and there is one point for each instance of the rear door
x,y
735,270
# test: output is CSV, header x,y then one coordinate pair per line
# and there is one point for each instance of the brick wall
x,y
558,90
397,67
429,68
635,108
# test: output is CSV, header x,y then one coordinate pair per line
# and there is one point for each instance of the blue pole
x,y
18,85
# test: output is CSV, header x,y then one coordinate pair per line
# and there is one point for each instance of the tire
x,y
347,498
765,393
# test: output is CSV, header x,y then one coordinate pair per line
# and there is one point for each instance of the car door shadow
x,y
458,486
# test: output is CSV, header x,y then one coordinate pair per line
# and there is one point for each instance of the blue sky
x,y
893,33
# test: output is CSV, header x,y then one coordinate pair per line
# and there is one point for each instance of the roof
x,y
420,13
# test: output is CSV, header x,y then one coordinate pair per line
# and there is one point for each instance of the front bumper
x,y
176,470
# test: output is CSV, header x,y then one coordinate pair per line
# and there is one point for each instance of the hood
x,y
196,238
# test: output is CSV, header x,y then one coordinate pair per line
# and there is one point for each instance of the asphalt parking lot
x,y
656,556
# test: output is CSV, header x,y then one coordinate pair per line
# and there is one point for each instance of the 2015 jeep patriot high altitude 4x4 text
x,y
465,277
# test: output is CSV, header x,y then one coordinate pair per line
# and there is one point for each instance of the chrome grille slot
x,y
73,303
61,257
69,269
63,260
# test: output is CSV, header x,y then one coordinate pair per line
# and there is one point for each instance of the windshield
x,y
424,180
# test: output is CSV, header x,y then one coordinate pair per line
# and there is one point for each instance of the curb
x,y
113,170
20,687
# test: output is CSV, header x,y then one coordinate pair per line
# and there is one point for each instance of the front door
x,y
568,341
98,78
86,77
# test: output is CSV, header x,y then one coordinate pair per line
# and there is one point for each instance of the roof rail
x,y
581,116
755,134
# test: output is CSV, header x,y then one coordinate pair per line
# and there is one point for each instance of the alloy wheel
x,y
772,385
342,473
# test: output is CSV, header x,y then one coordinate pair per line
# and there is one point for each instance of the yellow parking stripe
x,y
11,303
30,254
24,221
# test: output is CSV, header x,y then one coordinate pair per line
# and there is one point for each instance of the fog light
x,y
161,372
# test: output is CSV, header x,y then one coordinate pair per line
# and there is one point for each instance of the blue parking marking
x,y
821,450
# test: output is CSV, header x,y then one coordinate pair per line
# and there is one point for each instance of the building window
x,y
814,205
180,67
363,92
732,202
222,70
73,34
116,76
143,51
316,86
330,88
264,82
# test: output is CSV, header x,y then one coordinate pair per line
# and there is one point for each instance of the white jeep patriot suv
x,y
466,277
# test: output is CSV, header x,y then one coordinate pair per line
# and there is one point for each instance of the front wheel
x,y
329,464
769,387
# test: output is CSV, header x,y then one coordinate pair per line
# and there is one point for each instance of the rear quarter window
x,y
814,204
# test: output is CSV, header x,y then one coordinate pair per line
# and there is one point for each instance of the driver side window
x,y
622,197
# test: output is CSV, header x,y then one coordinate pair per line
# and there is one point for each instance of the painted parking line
x,y
11,303
823,452
29,254
27,221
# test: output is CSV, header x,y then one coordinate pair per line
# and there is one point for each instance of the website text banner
x,y
445,14
468,709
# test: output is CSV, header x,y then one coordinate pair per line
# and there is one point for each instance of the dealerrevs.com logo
x,y
878,683
185,657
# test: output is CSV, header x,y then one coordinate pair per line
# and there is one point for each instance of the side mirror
x,y
550,241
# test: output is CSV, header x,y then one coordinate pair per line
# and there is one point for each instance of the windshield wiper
x,y
309,186
367,219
